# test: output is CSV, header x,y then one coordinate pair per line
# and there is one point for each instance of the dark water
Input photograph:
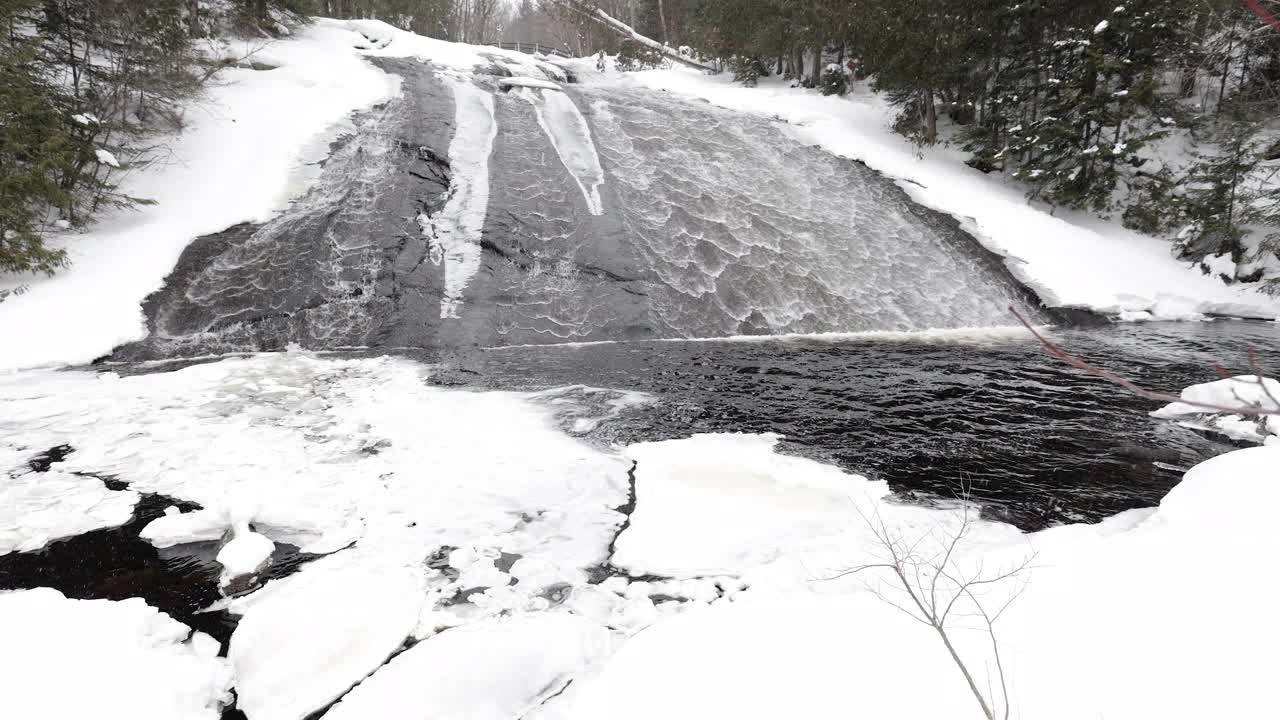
x,y
1038,442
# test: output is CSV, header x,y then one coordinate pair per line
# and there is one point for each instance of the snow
x,y
529,83
1069,259
38,508
1145,612
176,528
457,226
1101,27
106,660
569,134
236,161
305,641
246,554
721,504
107,158
1243,391
491,670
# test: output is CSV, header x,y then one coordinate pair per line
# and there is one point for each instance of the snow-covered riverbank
x,y
451,509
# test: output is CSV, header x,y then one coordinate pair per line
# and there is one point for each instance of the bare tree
x,y
928,583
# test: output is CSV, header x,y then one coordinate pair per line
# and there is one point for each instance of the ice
x,y
63,659
571,137
525,82
497,669
324,453
304,642
457,226
1068,259
38,508
240,148
721,504
246,554
1243,391
177,528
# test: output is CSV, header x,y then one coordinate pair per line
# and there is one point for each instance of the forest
x,y
1160,113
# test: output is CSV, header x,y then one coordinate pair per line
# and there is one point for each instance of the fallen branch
x,y
583,8
1080,363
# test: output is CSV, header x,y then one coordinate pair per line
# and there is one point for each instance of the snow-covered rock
x,y
63,659
1242,391
246,554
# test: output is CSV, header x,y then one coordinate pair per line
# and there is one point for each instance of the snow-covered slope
x,y
1069,260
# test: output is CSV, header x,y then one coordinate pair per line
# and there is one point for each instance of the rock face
x,y
465,213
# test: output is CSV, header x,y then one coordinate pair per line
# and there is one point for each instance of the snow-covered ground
x,y
471,525
64,659
1070,260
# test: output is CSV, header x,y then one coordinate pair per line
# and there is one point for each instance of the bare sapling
x,y
925,578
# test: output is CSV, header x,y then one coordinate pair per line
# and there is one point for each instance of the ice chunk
x,y
246,554
176,528
305,641
490,670
63,659
38,508
1244,392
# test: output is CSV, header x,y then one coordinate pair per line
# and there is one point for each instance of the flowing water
x,y
529,239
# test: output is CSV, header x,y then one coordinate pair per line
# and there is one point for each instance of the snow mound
x,y
491,670
38,508
305,641
63,659
720,504
1243,391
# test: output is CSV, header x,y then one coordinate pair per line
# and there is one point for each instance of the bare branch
x,y
1079,363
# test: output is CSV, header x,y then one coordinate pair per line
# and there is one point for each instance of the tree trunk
x,y
815,72
930,118
662,21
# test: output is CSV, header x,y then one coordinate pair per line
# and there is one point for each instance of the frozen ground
x,y
1069,260
125,661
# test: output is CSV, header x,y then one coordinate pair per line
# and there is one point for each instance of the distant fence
x,y
535,49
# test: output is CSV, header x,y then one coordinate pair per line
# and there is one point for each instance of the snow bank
x,y
492,670
106,660
1069,260
1154,614
236,161
1242,391
38,508
721,504
304,642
